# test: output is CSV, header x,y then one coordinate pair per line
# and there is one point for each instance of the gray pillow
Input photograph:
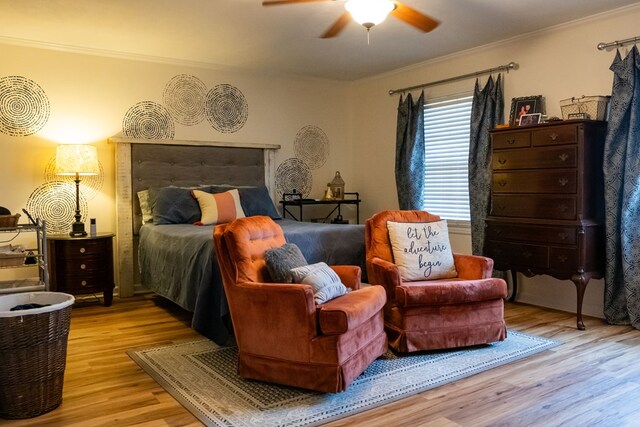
x,y
325,282
256,201
281,260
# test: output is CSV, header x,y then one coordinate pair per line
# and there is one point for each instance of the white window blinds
x,y
446,131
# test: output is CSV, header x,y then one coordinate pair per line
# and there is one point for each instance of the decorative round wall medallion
x,y
312,146
226,108
150,120
293,174
24,107
185,98
55,202
90,185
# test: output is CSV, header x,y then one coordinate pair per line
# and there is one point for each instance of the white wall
x,y
557,63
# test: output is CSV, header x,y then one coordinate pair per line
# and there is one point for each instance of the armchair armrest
x,y
473,266
350,275
350,310
384,273
275,318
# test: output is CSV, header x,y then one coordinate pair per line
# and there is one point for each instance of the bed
x,y
177,261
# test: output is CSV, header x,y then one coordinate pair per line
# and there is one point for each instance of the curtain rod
x,y
507,67
618,43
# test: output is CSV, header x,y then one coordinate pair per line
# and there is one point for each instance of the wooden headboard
x,y
142,163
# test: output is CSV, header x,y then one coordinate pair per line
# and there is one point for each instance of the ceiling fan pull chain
x,y
368,36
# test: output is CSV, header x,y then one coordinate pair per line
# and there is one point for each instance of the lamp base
x,y
77,230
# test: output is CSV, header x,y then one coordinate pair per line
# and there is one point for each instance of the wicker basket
x,y
588,107
9,221
33,350
12,260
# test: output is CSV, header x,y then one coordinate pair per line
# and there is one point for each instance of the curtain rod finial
x,y
602,46
512,66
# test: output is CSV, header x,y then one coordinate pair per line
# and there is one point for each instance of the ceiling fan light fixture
x,y
369,12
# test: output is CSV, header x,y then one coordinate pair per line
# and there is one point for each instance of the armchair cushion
x,y
421,250
452,291
323,280
351,310
281,260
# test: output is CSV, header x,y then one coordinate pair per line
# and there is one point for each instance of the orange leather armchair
x,y
434,314
282,335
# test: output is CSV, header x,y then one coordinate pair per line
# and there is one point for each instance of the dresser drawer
x,y
531,233
535,158
555,136
527,206
83,247
86,265
559,181
564,259
79,283
511,140
506,254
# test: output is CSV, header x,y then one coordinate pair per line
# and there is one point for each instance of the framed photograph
x,y
530,119
524,105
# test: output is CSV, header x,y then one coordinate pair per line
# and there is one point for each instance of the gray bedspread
x,y
178,262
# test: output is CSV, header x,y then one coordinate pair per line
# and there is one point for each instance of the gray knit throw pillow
x,y
281,260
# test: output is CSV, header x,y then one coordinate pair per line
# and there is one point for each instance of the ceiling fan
x,y
369,13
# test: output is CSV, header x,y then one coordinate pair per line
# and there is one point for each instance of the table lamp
x,y
75,159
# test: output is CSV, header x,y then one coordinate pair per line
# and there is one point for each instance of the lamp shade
x,y
369,12
74,158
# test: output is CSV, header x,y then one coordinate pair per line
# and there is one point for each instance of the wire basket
x,y
9,221
33,350
12,260
585,107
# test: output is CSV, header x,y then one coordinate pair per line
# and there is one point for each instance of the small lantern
x,y
337,187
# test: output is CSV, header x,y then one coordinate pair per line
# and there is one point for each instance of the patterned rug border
x,y
363,394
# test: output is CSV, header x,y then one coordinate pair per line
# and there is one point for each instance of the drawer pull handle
x,y
563,157
502,183
502,161
511,141
83,283
82,266
82,250
501,207
498,231
563,181
562,258
563,208
527,255
553,136
563,236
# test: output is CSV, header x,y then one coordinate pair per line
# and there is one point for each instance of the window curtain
x,y
621,167
410,153
487,111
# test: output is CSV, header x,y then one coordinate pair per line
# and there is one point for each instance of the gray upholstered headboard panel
x,y
161,165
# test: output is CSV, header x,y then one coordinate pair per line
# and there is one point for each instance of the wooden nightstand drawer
x,y
82,265
518,254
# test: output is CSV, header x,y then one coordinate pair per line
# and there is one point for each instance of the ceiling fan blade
x,y
337,26
414,18
281,2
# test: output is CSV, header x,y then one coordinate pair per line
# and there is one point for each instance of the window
x,y
446,132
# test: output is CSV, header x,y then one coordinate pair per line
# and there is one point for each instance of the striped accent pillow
x,y
218,208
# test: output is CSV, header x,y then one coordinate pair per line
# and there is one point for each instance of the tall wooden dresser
x,y
547,202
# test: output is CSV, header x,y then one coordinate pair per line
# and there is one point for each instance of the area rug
x,y
202,376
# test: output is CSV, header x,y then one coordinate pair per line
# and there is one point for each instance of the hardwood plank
x,y
593,378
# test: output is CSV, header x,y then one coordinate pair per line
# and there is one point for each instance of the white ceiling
x,y
280,39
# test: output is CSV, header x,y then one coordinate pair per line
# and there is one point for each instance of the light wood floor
x,y
592,379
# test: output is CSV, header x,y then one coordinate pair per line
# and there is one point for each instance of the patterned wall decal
x,y
24,107
55,202
226,108
293,174
185,97
90,185
148,119
312,146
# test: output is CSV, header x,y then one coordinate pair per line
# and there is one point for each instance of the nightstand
x,y
82,265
